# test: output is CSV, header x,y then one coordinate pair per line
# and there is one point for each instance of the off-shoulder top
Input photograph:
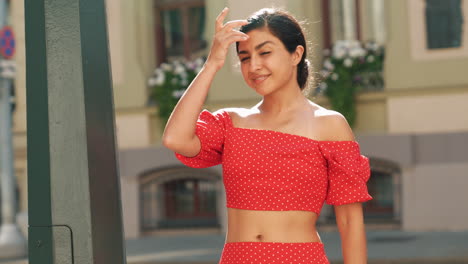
x,y
277,171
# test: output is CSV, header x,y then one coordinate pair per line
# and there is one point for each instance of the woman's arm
x,y
179,133
349,218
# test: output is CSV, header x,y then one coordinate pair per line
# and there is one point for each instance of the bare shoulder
x,y
334,125
237,114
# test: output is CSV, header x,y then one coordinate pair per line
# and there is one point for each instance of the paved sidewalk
x,y
384,247
391,246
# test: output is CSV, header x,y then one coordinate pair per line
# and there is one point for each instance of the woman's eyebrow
x,y
259,46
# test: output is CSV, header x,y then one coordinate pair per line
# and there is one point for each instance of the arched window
x,y
384,186
178,198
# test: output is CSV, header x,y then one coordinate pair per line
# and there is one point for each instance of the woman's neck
x,y
282,101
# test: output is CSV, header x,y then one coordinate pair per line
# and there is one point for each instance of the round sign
x,y
7,42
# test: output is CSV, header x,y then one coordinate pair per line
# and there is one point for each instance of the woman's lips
x,y
260,78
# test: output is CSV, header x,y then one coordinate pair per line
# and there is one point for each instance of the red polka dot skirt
x,y
273,253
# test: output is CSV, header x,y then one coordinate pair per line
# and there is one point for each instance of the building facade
x,y
414,130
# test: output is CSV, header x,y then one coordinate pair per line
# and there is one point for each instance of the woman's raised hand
x,y
225,35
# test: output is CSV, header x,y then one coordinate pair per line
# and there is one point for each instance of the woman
x,y
283,158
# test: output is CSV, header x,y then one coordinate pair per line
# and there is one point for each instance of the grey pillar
x,y
12,242
73,183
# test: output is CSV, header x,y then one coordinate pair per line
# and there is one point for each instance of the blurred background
x,y
405,62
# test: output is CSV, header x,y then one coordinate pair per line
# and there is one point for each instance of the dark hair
x,y
286,28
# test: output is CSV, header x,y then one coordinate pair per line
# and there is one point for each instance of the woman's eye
x,y
264,53
244,59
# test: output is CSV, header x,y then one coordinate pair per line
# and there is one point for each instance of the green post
x,y
73,183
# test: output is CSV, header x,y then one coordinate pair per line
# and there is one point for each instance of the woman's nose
x,y
255,64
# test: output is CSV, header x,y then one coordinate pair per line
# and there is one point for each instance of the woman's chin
x,y
261,90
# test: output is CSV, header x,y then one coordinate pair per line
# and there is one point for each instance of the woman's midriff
x,y
271,226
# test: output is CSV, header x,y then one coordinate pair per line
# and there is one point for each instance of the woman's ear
x,y
297,54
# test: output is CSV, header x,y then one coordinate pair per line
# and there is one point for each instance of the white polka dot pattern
x,y
273,253
276,171
210,130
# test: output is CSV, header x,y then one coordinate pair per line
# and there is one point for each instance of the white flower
x,y
191,65
152,82
198,64
178,93
339,53
179,69
348,62
158,71
357,52
334,76
372,46
160,79
370,59
166,66
184,81
323,86
328,65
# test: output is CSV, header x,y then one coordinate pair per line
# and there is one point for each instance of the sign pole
x,y
12,242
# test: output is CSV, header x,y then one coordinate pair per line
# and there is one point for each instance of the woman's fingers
x,y
220,19
239,36
235,23
235,38
224,36
222,39
229,25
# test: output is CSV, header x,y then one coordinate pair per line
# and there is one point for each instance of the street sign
x,y
7,42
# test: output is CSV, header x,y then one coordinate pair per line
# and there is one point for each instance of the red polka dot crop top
x,y
277,171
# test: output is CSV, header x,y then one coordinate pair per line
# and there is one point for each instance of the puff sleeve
x,y
348,172
210,129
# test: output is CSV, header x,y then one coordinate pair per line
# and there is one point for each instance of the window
x,y
180,29
437,29
384,186
380,187
444,23
178,198
353,20
189,198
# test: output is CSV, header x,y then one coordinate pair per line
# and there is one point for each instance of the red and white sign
x,y
7,42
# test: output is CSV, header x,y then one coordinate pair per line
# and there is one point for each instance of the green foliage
x,y
169,82
349,69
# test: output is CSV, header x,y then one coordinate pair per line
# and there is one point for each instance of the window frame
x,y
418,35
184,6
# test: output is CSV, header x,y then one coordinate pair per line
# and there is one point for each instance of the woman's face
x,y
266,65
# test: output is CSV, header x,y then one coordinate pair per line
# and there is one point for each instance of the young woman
x,y
282,158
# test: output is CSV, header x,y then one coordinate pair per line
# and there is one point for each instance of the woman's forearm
x,y
179,134
353,242
180,129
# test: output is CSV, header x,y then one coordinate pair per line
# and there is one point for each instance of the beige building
x,y
414,130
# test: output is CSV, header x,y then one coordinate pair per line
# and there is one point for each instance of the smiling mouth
x,y
260,79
